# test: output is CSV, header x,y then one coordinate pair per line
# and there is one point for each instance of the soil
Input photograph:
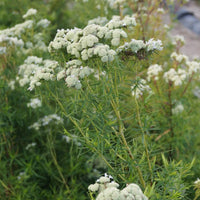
x,y
192,40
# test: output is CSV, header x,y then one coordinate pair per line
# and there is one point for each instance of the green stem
x,y
115,106
186,87
82,133
170,117
53,154
145,143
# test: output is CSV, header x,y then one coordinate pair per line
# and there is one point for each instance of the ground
x,y
192,40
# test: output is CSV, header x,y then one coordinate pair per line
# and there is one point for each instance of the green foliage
x,y
109,125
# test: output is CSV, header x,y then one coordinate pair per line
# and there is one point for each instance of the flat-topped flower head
x,y
179,57
153,72
176,77
36,69
44,23
30,12
46,120
34,103
99,21
179,108
154,45
178,40
93,40
108,190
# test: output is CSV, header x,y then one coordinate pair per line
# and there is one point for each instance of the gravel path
x,y
192,40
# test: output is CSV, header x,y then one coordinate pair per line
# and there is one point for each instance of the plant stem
x,y
53,154
186,87
170,117
83,135
121,132
145,143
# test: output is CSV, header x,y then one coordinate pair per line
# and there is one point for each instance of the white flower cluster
x,y
166,27
12,35
178,109
85,43
16,30
108,190
116,22
134,46
137,45
153,72
114,4
46,120
72,138
196,92
34,103
22,175
39,43
177,77
73,72
154,45
30,12
33,60
197,181
178,39
97,75
118,3
193,67
99,21
34,70
11,84
30,145
139,88
179,57
44,23
2,50
160,11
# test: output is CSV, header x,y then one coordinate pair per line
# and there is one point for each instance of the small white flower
x,y
153,72
30,145
154,45
193,66
93,187
108,190
35,126
21,175
43,23
34,103
11,84
66,138
115,41
33,60
137,90
134,46
104,179
2,50
197,181
46,120
178,39
179,57
30,12
160,11
99,21
104,59
178,109
177,77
